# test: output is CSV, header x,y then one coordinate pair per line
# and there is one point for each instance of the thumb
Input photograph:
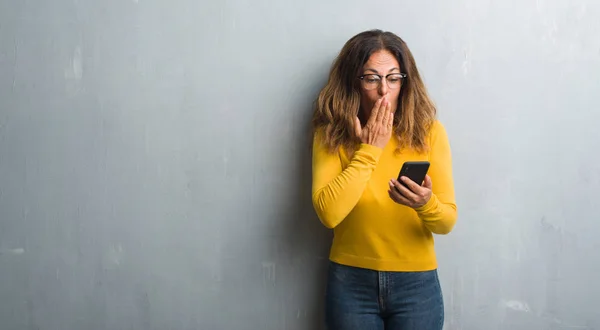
x,y
427,183
357,127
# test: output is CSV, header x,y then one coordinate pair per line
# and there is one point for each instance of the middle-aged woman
x,y
373,115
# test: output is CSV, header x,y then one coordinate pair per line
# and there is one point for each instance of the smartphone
x,y
415,171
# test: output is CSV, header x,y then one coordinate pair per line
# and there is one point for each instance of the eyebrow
x,y
373,70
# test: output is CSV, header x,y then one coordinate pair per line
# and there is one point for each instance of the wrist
x,y
427,205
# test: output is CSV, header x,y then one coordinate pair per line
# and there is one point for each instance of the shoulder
x,y
318,137
438,136
437,129
320,143
318,132
437,126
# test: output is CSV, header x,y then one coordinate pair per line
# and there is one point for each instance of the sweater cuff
x,y
429,206
370,151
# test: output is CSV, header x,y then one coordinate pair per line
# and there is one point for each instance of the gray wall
x,y
141,186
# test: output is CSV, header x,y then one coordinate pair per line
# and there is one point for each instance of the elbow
x,y
327,221
327,216
444,229
446,226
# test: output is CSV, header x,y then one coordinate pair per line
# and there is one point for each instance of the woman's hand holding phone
x,y
414,196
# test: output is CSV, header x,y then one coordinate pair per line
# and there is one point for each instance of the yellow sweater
x,y
370,229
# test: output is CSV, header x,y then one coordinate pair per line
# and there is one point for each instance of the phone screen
x,y
416,171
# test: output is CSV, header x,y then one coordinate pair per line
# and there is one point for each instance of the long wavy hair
x,y
338,103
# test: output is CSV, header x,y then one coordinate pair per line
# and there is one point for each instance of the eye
x,y
370,79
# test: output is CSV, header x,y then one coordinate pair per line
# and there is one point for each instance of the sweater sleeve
x,y
337,190
439,214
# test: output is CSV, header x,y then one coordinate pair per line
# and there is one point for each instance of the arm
x,y
439,213
335,191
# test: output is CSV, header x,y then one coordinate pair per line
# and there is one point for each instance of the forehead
x,y
382,61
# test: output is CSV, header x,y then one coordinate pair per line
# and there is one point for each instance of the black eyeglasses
x,y
372,81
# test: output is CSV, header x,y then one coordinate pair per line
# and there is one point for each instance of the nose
x,y
383,87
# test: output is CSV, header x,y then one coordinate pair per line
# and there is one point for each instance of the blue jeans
x,y
363,299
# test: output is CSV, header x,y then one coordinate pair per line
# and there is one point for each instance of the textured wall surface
x,y
155,165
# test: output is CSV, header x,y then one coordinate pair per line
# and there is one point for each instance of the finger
x,y
383,106
375,112
396,197
386,118
404,201
391,120
394,194
415,187
403,191
427,184
357,128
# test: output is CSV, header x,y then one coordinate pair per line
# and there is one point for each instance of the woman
x,y
372,116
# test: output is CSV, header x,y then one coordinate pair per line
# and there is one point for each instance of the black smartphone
x,y
415,171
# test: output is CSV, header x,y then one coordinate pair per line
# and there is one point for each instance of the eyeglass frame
x,y
402,76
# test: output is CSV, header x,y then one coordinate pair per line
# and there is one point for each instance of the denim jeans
x,y
363,299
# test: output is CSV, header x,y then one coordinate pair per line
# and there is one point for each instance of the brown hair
x,y
338,102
